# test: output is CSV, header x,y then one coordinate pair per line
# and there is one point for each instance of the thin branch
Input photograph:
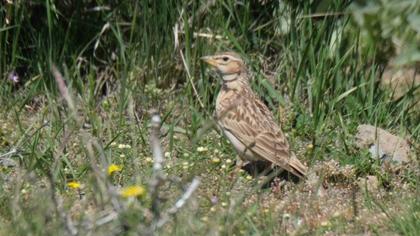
x,y
155,142
180,203
11,152
158,175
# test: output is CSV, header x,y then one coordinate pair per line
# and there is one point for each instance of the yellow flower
x,y
113,168
74,185
215,160
133,191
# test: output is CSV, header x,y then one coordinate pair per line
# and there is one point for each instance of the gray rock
x,y
382,144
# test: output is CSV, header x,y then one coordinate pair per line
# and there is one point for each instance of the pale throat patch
x,y
230,77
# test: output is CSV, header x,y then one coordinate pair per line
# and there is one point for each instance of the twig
x,y
187,194
107,218
158,175
180,203
155,142
11,152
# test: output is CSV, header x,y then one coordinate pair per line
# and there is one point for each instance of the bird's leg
x,y
240,163
238,166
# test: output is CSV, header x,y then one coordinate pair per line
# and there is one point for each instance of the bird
x,y
246,121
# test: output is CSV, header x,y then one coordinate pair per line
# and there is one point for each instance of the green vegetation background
x,y
317,64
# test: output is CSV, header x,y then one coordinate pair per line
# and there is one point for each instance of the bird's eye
x,y
225,58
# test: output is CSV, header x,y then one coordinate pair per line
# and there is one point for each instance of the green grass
x,y
120,61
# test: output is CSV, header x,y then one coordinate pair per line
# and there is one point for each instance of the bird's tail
x,y
297,168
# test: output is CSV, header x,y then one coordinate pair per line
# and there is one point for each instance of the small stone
x,y
382,144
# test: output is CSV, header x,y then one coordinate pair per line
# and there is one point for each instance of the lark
x,y
246,121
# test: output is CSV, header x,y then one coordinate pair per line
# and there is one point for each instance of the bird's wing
x,y
253,124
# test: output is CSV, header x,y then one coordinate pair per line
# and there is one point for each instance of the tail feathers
x,y
297,168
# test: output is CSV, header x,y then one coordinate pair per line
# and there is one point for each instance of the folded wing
x,y
260,134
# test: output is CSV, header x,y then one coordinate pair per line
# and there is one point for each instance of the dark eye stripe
x,y
227,58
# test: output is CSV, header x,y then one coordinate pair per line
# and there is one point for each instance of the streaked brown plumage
x,y
245,119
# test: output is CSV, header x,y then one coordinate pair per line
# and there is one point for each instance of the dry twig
x,y
180,203
158,175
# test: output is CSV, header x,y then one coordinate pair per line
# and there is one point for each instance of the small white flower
x,y
202,149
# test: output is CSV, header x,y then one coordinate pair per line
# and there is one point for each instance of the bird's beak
x,y
209,60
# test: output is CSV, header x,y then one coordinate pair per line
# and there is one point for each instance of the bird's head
x,y
226,63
